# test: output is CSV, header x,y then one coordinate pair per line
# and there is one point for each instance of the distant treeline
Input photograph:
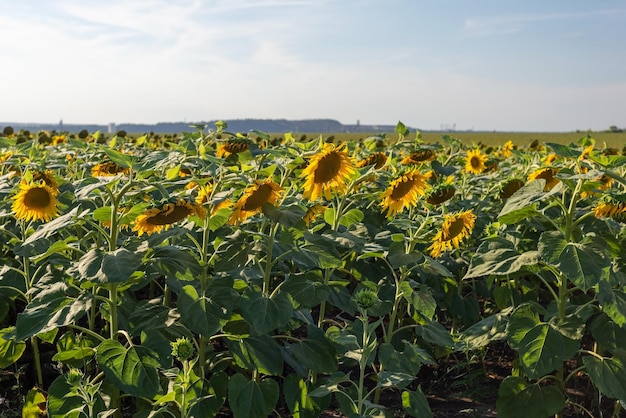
x,y
236,125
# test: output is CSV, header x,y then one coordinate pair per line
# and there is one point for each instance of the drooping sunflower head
x,y
312,213
441,194
328,171
108,168
548,175
36,201
510,187
475,161
421,155
602,183
377,159
454,229
44,176
253,198
232,146
610,206
160,218
404,191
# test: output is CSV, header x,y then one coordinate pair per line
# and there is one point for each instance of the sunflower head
x,y
232,146
108,169
253,198
441,194
550,158
312,213
44,176
475,161
157,219
328,171
510,187
404,191
610,206
421,155
454,229
378,160
548,175
507,149
36,201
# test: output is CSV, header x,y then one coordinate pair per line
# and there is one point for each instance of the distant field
x,y
609,139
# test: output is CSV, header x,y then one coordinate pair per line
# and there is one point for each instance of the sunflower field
x,y
214,273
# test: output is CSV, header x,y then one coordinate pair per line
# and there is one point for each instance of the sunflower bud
x,y
365,299
182,349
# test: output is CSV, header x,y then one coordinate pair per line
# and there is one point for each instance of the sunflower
x,y
233,146
328,171
35,201
403,191
378,160
550,158
510,187
441,194
610,206
58,139
455,228
604,182
47,177
586,153
107,169
475,161
548,175
160,218
253,199
507,149
313,212
420,156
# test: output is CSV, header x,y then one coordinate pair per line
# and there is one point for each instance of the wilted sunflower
x,y
328,171
233,146
455,228
107,169
160,218
610,206
35,201
253,199
475,161
312,213
548,175
378,160
403,192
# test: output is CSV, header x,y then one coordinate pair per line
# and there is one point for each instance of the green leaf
x,y
34,404
108,267
542,346
315,353
123,160
65,402
260,353
401,129
287,216
608,374
49,228
351,217
498,256
308,293
50,310
132,369
523,198
613,303
415,404
421,299
410,360
519,399
11,348
563,150
74,350
170,260
435,333
492,328
205,314
398,257
609,335
265,314
577,261
250,399
300,404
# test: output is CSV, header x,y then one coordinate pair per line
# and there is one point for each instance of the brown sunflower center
x,y
402,189
258,197
37,197
454,229
328,167
475,162
170,216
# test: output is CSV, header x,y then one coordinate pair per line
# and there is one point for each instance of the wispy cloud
x,y
504,24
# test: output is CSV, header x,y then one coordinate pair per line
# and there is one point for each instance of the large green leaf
x,y
608,374
409,360
260,353
516,206
287,216
492,328
251,399
121,159
170,260
421,298
579,262
517,398
613,302
609,335
51,309
49,228
315,353
498,256
205,314
64,400
11,349
300,404
542,346
108,267
265,314
132,369
305,289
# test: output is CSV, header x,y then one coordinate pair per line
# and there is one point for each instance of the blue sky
x,y
531,65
